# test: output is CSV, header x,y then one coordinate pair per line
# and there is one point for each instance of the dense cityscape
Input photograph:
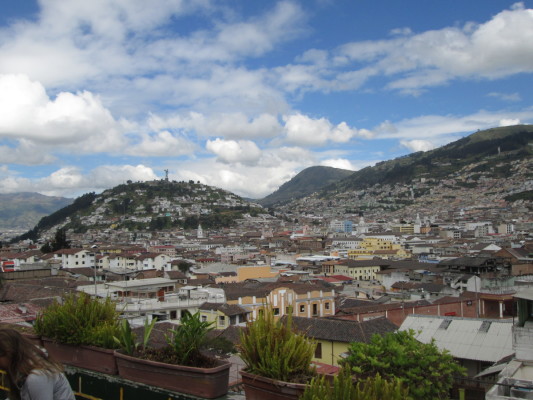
x,y
284,200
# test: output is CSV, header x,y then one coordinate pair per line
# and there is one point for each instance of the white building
x,y
75,258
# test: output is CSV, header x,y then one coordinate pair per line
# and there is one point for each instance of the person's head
x,y
19,357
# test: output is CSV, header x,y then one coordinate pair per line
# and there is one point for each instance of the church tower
x,y
200,232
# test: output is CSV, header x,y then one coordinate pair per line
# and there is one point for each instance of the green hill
x,y
152,206
306,182
492,146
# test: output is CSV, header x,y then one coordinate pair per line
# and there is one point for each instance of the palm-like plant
x,y
274,350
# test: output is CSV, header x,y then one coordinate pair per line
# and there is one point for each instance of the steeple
x,y
200,232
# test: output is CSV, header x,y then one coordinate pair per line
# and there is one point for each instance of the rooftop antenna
x,y
166,175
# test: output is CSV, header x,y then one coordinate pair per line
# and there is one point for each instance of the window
x,y
326,306
318,350
445,324
485,326
221,320
302,308
204,318
315,309
276,311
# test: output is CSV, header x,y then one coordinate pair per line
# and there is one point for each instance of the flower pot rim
x,y
86,346
222,364
275,382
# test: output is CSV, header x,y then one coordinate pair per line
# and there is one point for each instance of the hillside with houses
x,y
455,265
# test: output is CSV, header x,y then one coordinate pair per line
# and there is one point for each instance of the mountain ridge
x,y
443,160
494,155
304,183
22,210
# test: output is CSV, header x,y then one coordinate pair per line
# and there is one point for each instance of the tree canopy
x,y
426,370
60,242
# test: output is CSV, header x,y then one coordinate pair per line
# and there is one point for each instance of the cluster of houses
x,y
469,298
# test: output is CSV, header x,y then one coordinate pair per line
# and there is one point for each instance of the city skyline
x,y
243,95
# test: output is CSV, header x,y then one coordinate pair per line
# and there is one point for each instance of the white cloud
x,y
71,181
506,96
305,131
228,125
338,163
258,36
231,151
417,145
26,153
294,78
509,122
220,90
78,40
497,48
162,144
434,126
401,31
275,167
78,121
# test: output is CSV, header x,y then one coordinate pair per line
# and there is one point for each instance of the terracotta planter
x,y
257,387
208,383
88,357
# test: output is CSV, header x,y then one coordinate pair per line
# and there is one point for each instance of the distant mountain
x,y
490,147
147,206
22,211
485,169
306,182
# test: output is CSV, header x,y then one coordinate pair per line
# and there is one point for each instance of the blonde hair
x,y
23,358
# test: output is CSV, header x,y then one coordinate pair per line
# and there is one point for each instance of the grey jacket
x,y
39,386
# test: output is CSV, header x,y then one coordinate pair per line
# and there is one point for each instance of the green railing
x,y
90,385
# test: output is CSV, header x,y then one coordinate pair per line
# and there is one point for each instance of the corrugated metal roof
x,y
468,338
526,294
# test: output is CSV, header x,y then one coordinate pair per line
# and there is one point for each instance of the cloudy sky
x,y
244,94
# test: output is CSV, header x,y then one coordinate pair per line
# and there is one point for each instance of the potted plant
x,y
277,359
180,365
80,331
343,387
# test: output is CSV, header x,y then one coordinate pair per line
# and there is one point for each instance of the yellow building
x,y
362,270
300,299
222,315
376,243
333,336
403,229
374,246
255,272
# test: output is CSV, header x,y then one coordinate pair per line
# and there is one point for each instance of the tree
x,y
60,240
184,266
427,371
46,248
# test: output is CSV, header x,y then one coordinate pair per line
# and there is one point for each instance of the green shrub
x,y
188,337
274,350
344,388
426,370
80,320
127,340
